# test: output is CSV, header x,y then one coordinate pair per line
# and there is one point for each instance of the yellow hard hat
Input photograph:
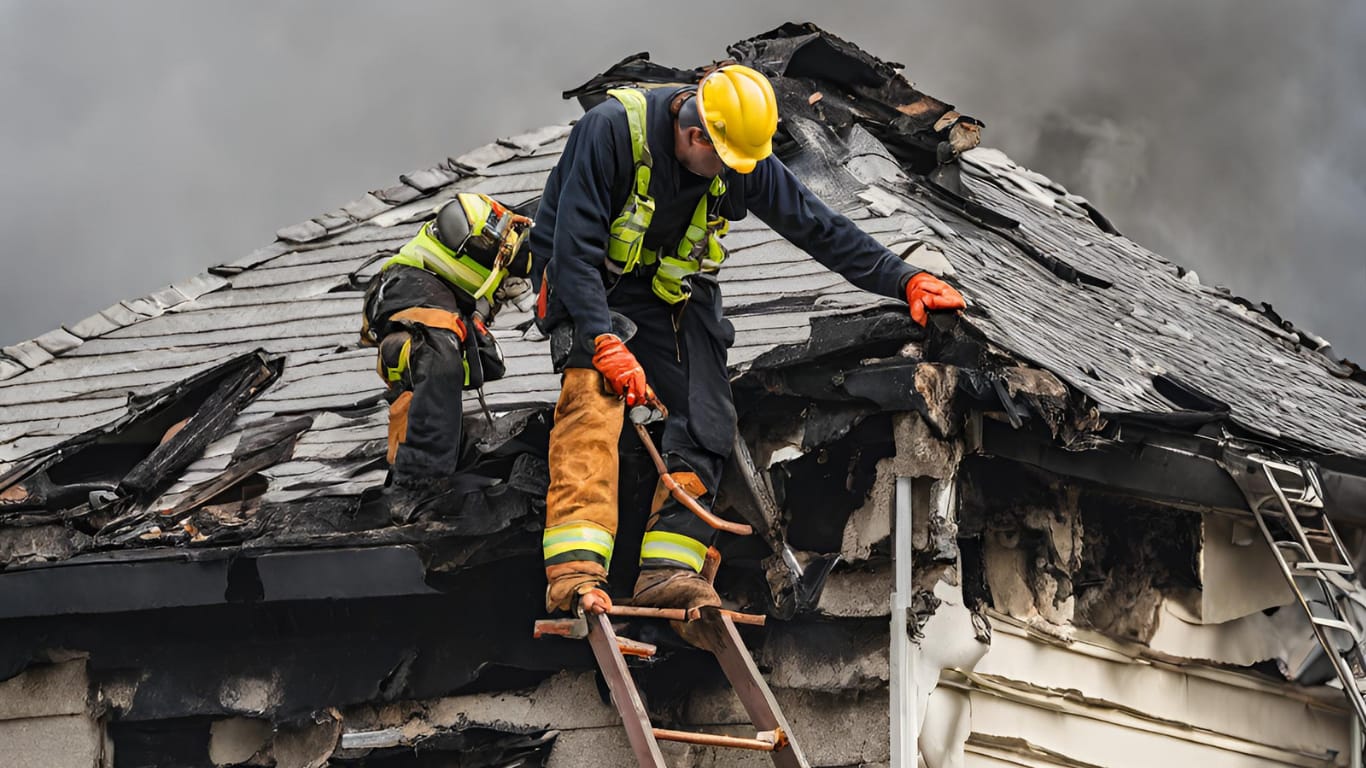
x,y
740,113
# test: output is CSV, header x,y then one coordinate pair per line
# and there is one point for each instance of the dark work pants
x,y
425,412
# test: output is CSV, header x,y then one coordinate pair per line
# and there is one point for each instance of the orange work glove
x,y
595,601
927,293
622,371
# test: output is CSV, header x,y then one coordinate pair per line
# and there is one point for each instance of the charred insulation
x,y
1134,555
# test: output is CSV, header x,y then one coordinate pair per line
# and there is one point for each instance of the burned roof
x,y
238,406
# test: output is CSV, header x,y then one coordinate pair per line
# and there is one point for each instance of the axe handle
x,y
683,497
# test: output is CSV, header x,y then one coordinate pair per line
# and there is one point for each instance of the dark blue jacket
x,y
590,185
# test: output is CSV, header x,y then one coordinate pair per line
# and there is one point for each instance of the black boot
x,y
407,502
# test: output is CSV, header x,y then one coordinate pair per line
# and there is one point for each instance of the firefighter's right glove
x,y
621,370
926,293
595,601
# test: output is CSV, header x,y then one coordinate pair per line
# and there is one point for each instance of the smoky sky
x,y
142,142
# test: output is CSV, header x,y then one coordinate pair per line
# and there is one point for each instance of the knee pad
x,y
441,332
395,349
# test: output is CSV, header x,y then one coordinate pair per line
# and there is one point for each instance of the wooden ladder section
x,y
773,736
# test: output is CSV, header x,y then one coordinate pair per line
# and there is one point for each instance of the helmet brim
x,y
739,162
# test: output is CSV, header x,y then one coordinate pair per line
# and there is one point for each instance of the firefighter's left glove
x,y
927,293
621,370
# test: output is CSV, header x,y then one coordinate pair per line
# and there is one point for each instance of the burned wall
x,y
1059,552
1135,555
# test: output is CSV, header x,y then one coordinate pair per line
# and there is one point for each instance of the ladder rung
x,y
1337,624
1288,504
1294,546
1322,566
1303,515
570,628
576,629
1313,534
679,614
629,647
765,741
609,650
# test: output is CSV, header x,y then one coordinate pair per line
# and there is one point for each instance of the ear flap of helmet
x,y
470,225
452,226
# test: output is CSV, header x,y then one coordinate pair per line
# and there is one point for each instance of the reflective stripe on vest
x,y
698,251
426,252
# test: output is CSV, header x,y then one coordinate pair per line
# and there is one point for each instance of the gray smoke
x,y
143,141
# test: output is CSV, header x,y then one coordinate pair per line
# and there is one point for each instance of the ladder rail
x,y
1288,510
1340,666
774,734
754,694
1342,661
1333,594
639,732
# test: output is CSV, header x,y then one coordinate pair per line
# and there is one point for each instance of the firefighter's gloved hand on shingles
x,y
927,293
622,371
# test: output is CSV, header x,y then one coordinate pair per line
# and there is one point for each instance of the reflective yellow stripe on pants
x,y
578,541
685,550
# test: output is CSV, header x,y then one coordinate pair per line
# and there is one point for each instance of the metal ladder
x,y
1287,501
774,736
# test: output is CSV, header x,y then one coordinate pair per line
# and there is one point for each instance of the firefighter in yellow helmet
x,y
627,240
428,311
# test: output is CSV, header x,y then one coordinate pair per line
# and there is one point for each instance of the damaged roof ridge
x,y
774,316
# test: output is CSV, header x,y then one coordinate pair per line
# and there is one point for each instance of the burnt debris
x,y
185,479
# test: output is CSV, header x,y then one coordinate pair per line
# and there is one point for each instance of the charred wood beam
x,y
241,382
259,449
472,746
793,586
134,585
875,333
284,660
1161,466
132,457
1160,472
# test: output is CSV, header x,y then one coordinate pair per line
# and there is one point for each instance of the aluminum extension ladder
x,y
1287,501
774,736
